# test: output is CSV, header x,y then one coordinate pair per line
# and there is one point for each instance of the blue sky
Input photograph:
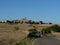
x,y
45,10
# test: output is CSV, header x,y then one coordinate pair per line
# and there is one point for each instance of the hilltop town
x,y
24,20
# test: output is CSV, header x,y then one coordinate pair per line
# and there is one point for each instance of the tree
x,y
33,22
30,21
41,22
8,21
50,23
37,22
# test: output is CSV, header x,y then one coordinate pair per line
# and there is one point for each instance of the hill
x,y
9,35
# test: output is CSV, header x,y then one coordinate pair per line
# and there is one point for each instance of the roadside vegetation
x,y
32,33
54,28
26,41
29,39
50,30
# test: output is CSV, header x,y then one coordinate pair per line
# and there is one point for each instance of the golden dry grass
x,y
9,36
56,34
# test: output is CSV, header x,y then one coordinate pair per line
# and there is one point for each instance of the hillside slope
x,y
9,36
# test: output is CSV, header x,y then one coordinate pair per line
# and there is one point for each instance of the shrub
x,y
17,44
23,43
16,28
32,30
32,33
47,30
54,28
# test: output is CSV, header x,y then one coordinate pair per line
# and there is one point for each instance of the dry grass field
x,y
9,36
56,34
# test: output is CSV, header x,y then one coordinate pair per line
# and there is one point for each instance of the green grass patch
x,y
26,41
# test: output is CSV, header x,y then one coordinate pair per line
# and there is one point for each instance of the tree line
x,y
29,22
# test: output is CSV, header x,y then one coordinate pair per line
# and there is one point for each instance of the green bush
x,y
54,28
23,43
32,33
32,30
47,30
16,28
17,44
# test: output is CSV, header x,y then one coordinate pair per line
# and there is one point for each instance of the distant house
x,y
24,20
3,21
